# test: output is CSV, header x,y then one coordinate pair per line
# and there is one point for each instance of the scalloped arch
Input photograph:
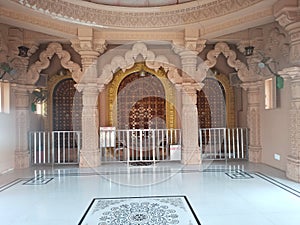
x,y
34,70
232,61
129,59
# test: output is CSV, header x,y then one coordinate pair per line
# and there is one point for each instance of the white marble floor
x,y
237,193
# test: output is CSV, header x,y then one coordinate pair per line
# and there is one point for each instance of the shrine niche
x,y
141,102
141,98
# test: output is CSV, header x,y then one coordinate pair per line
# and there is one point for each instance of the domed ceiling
x,y
138,3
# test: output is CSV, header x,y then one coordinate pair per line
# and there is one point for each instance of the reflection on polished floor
x,y
238,193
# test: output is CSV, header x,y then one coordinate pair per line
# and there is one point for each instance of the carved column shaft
x,y
189,123
89,154
22,101
253,120
293,159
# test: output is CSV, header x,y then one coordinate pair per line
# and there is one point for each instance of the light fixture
x,y
249,49
265,63
23,51
142,73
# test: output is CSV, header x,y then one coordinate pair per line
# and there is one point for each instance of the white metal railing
x,y
224,143
54,147
140,145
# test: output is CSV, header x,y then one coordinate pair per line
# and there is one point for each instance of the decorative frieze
x,y
101,15
61,28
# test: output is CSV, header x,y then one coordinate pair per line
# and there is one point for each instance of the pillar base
x,y
22,159
293,168
89,158
191,156
255,154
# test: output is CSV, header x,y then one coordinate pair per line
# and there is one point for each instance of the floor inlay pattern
x,y
239,175
40,180
161,210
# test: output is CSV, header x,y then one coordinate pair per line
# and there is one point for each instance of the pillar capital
x,y
89,47
290,73
287,14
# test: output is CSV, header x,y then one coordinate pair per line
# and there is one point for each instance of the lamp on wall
x,y
23,51
249,49
7,67
265,63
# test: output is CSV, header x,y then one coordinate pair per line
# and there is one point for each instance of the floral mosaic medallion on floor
x,y
162,210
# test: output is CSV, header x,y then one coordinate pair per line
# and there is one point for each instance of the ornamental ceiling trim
x,y
27,18
125,17
239,21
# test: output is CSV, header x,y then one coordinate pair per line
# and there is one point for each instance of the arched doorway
x,y
211,104
66,121
66,106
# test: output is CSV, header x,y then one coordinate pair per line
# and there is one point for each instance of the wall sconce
x,y
265,63
249,49
23,51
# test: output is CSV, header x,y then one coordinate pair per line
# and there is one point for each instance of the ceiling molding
x,y
135,18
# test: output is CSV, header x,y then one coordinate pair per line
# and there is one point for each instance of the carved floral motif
x,y
103,16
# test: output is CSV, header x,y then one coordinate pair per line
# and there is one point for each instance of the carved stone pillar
x,y
189,121
89,48
293,159
289,18
22,116
89,154
190,82
253,120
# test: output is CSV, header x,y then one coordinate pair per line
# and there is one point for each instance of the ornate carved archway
x,y
232,61
129,59
34,70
